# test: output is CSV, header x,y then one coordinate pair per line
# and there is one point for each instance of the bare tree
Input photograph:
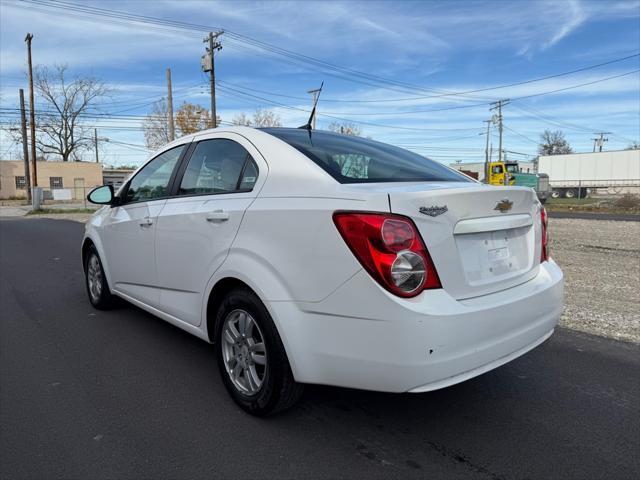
x,y
191,118
266,118
261,118
345,128
60,128
553,143
156,126
241,119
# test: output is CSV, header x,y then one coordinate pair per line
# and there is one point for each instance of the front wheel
x,y
96,281
252,360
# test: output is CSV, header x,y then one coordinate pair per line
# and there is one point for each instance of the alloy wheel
x,y
94,277
244,352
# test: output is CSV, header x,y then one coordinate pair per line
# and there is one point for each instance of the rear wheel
x,y
96,281
252,360
570,193
556,194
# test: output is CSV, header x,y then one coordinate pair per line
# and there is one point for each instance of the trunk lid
x,y
487,238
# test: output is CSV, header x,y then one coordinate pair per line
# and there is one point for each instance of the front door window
x,y
152,181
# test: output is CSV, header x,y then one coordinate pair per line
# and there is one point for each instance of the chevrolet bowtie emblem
x,y
434,211
504,205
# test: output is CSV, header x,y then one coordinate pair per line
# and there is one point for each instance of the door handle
x,y
217,216
146,222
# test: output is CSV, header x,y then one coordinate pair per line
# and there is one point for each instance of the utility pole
x,y
208,65
315,93
32,112
486,153
25,147
599,141
172,127
498,106
95,141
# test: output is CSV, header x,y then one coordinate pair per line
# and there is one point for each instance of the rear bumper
x,y
361,336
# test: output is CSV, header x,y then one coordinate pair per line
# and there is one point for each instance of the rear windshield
x,y
351,159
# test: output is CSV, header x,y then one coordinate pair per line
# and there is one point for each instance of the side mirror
x,y
102,195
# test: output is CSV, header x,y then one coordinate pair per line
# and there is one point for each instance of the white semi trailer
x,y
576,174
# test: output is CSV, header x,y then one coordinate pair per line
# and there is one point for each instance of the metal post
x,y
579,189
36,198
25,148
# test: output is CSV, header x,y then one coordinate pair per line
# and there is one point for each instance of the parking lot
x,y
121,394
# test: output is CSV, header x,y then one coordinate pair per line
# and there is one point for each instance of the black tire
x,y
100,297
570,193
556,194
278,390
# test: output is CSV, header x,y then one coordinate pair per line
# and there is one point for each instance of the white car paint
x,y
338,325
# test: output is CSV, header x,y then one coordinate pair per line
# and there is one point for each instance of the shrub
x,y
628,200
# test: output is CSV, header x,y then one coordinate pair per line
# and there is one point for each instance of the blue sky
x,y
432,48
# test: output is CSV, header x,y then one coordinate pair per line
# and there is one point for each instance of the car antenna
x,y
308,125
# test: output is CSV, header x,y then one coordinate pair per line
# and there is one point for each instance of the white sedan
x,y
312,257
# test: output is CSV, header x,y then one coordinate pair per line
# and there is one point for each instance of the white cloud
x,y
415,43
574,16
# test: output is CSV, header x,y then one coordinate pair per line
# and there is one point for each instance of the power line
x,y
570,87
289,107
579,85
563,123
301,58
129,17
236,92
520,135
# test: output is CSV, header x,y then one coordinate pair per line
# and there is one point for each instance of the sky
x,y
418,74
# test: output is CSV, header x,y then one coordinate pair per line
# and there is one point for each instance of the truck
x,y
575,175
510,173
499,172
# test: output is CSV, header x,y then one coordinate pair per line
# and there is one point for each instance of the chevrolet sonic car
x,y
306,256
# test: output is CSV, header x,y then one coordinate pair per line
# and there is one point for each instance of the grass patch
x,y
59,211
625,204
572,201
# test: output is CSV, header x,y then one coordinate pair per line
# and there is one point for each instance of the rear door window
x,y
351,159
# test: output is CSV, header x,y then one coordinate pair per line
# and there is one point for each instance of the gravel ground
x,y
601,263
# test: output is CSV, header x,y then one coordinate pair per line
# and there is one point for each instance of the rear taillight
x,y
544,252
390,248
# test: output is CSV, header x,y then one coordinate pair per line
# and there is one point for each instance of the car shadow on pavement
x,y
498,424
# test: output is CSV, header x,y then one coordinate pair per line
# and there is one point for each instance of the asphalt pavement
x,y
121,394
